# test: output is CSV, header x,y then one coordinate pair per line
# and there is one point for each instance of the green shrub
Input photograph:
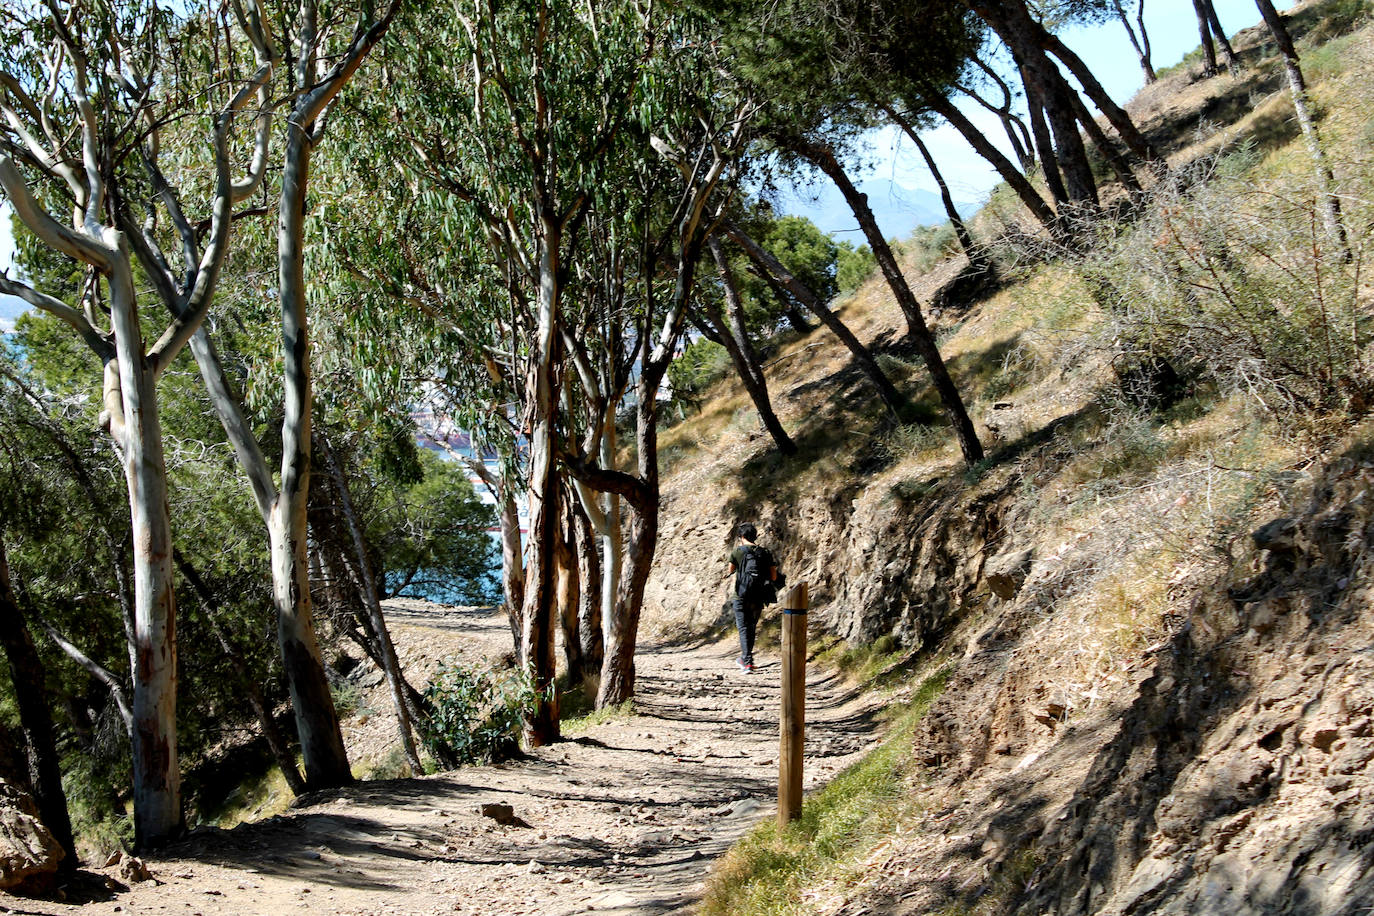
x,y
477,713
701,365
930,245
853,266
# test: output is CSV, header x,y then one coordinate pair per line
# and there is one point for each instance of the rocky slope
x,y
1161,699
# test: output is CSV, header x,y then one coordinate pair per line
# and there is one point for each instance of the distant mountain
x,y
899,210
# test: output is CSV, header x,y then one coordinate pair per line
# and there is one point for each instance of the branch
x,y
96,670
49,231
634,490
49,160
202,292
318,98
98,342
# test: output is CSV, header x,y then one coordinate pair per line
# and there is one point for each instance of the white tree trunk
x,y
326,762
156,773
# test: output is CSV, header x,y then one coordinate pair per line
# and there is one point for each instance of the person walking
x,y
755,573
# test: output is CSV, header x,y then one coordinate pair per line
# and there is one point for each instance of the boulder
x,y
28,849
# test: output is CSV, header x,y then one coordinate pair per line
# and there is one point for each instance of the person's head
x,y
747,531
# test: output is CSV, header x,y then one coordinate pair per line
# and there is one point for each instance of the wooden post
x,y
793,724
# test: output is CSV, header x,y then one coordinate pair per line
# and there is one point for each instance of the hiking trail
x,y
626,817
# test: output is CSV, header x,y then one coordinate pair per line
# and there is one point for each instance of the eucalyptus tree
x,y
326,52
86,88
511,112
695,121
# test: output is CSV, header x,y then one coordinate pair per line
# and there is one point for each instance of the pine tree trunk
x,y
824,159
252,692
1116,115
1106,147
975,257
1008,172
772,270
1232,62
27,677
317,722
1204,31
1297,87
1140,43
1044,144
751,376
1012,21
1017,134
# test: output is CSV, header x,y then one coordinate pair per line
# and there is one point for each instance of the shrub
x,y
701,365
853,266
477,713
1237,281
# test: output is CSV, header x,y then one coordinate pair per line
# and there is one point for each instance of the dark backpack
x,y
753,583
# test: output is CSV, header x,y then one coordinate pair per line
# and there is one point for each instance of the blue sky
x,y
1173,33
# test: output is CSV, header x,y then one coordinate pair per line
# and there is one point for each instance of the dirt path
x,y
627,818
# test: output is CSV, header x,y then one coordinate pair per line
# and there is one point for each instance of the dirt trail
x,y
626,818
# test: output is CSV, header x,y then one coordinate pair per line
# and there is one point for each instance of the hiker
x,y
756,574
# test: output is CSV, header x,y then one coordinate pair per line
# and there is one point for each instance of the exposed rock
x,y
1006,572
27,849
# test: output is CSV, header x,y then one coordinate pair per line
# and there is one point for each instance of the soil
x,y
625,817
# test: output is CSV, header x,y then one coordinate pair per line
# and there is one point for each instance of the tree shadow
x,y
1150,778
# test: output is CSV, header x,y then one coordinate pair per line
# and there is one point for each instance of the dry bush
x,y
1235,280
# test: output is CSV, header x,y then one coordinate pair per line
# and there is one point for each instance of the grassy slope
x,y
1190,482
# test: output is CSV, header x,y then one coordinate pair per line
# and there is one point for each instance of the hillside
x,y
1150,601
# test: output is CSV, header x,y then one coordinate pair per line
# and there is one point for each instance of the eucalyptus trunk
x,y
589,595
568,589
317,722
512,560
157,774
618,667
612,537
537,642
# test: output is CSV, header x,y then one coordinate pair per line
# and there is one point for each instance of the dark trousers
x,y
747,622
